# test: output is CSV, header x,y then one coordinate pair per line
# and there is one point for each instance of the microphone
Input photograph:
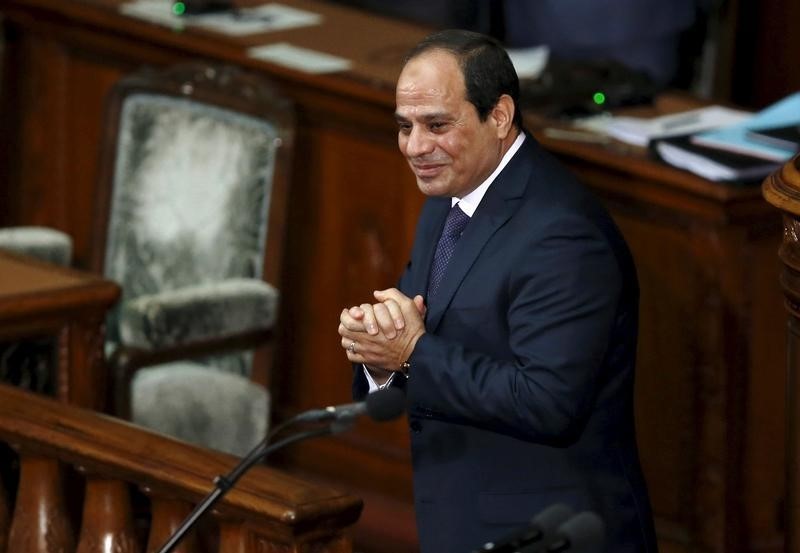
x,y
583,533
381,405
534,534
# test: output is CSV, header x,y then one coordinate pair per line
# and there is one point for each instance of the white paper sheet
x,y
640,131
303,59
260,19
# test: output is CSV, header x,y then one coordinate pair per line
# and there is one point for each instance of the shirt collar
x,y
470,202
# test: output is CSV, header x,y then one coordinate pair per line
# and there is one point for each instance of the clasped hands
x,y
383,335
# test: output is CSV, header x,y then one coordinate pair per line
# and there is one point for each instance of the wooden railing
x,y
89,483
782,190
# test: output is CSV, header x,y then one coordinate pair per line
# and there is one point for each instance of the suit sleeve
x,y
562,290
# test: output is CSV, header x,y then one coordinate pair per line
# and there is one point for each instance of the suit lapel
x,y
497,207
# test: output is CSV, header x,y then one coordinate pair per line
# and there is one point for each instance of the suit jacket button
x,y
416,427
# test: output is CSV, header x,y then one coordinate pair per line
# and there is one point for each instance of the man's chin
x,y
432,187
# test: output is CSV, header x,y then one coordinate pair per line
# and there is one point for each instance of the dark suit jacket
x,y
521,392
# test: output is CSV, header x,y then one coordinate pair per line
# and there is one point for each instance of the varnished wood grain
x,y
782,190
41,523
279,508
709,377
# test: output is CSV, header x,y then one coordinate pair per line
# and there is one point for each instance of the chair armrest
x,y
198,314
211,319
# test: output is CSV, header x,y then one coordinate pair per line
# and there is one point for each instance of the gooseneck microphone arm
x,y
380,406
223,483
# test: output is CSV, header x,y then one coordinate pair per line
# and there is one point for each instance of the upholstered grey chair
x,y
194,185
47,244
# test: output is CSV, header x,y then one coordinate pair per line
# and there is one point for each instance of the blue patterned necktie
x,y
453,227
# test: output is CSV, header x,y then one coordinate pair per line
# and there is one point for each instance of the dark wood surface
x,y
709,382
270,509
782,190
39,299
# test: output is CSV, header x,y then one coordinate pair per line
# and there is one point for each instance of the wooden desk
x,y
38,299
709,381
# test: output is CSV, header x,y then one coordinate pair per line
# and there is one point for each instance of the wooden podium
x,y
709,382
782,190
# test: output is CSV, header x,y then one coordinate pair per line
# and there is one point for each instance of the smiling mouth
x,y
428,169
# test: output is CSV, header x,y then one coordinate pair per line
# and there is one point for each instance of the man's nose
x,y
419,143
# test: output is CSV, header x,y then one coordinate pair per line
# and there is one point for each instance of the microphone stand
x,y
223,483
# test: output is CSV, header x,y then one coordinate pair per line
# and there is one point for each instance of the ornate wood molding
x,y
266,507
782,190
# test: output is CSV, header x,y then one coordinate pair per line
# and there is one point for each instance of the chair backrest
x,y
193,182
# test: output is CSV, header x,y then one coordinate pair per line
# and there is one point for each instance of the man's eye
x,y
404,128
437,127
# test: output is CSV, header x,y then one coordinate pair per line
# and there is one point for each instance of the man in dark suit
x,y
517,353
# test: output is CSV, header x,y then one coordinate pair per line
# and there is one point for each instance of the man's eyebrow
x,y
439,115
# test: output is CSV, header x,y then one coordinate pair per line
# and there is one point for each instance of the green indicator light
x,y
178,8
599,98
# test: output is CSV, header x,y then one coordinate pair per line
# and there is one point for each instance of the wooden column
x,y
107,520
40,523
167,516
782,189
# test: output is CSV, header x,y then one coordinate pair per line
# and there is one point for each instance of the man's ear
x,y
503,115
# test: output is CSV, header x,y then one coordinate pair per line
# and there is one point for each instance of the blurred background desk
x,y
42,300
710,375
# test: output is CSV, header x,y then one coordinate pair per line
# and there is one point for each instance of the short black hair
x,y
487,70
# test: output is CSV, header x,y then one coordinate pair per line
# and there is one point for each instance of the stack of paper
x,y
785,138
710,163
736,138
730,153
640,131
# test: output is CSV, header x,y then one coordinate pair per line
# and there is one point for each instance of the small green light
x,y
178,8
599,98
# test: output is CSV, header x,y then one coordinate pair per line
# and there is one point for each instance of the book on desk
x,y
744,151
787,138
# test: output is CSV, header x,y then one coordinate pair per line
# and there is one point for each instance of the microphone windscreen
x,y
385,405
550,518
585,533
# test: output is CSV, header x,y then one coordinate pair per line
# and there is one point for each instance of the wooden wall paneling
x,y
708,364
766,46
34,106
353,234
710,342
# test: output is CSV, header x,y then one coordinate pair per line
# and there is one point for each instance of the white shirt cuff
x,y
373,386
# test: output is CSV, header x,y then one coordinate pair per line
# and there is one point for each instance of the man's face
x,y
448,148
